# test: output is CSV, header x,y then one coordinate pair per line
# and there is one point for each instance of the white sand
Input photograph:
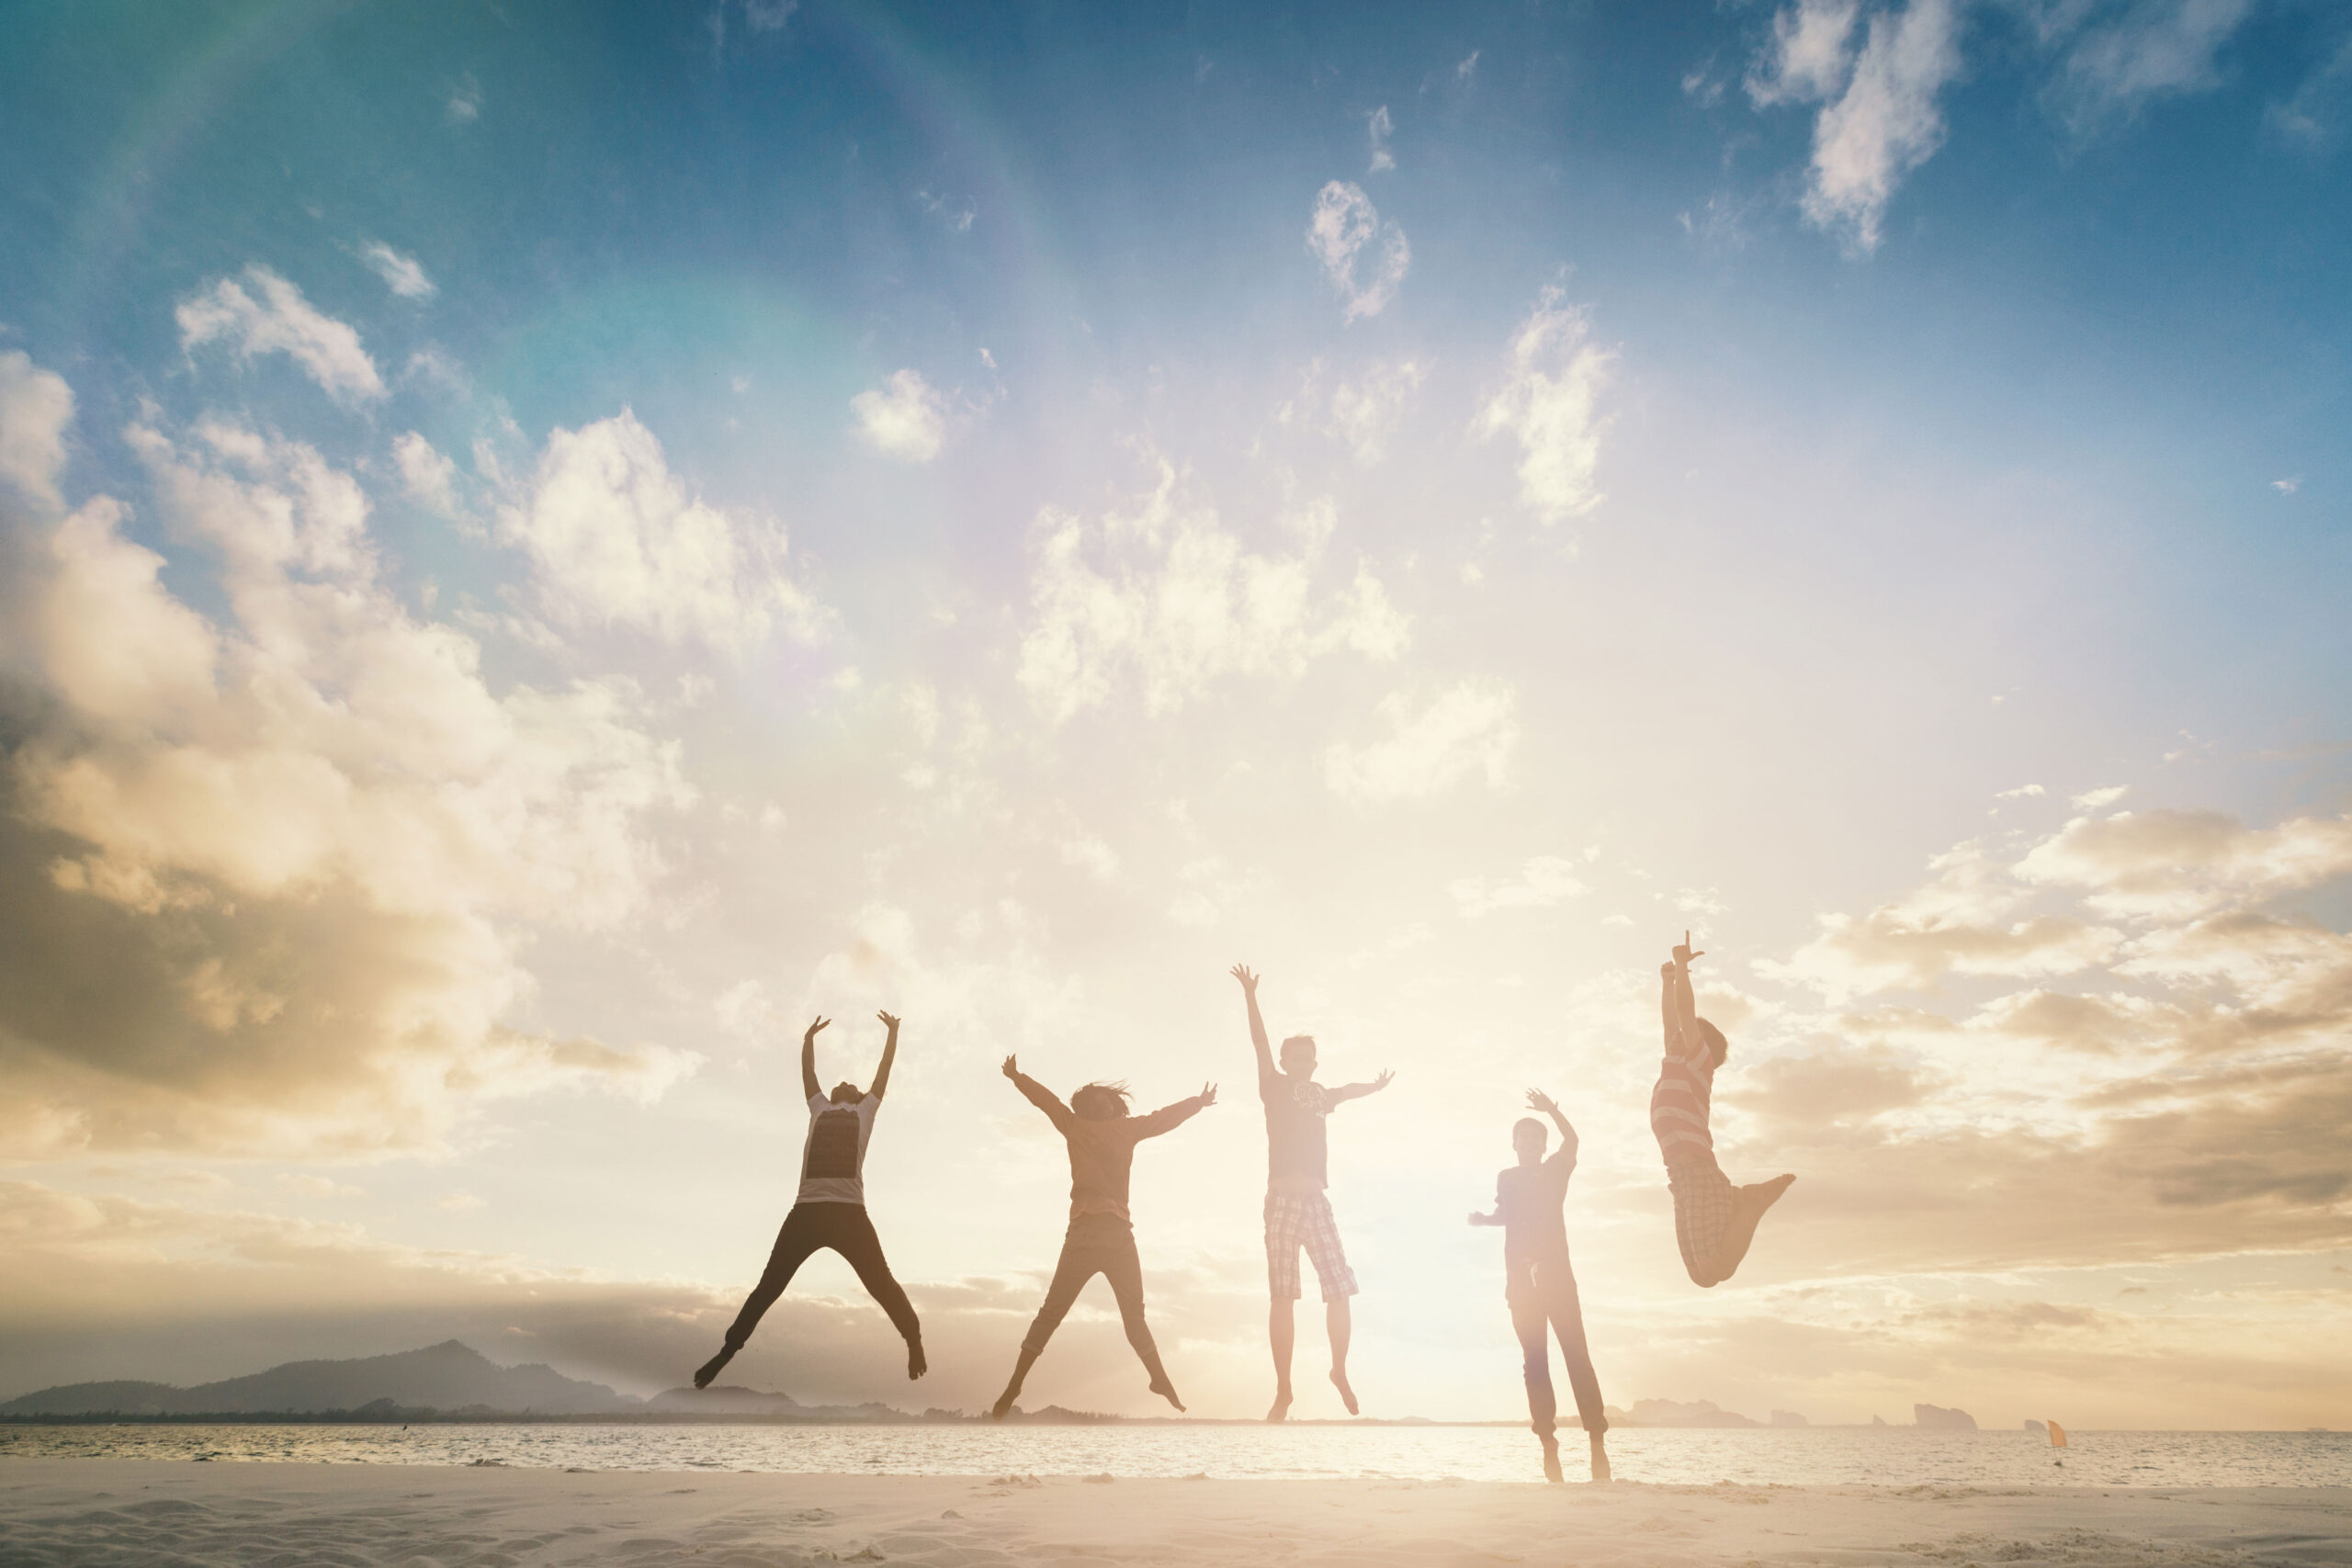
x,y
153,1512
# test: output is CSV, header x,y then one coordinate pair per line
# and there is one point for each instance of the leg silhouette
x,y
858,1243
1747,1207
1071,1271
801,1236
1124,1269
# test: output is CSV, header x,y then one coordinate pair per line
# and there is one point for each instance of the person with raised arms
x,y
1714,1221
1102,1137
829,1209
1297,1212
1539,1285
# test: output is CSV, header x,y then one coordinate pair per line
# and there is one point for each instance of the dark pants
x,y
1105,1244
1546,1293
846,1229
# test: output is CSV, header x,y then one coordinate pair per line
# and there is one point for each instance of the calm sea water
x,y
1825,1456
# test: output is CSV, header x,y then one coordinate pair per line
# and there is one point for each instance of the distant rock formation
x,y
2038,1429
449,1377
1676,1413
1877,1420
728,1399
1946,1420
1789,1418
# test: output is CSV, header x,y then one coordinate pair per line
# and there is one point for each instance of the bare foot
x,y
1166,1390
710,1369
1599,1460
1347,1395
1764,1194
1281,1410
1003,1406
1551,1460
916,1365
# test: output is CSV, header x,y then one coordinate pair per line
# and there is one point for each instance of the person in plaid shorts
x,y
1297,1214
1713,1221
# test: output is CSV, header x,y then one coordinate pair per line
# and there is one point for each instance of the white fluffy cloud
x,y
1550,405
402,275
280,320
618,539
266,875
1380,128
36,408
906,417
2152,47
429,478
1467,731
1165,597
1886,123
1364,258
1807,59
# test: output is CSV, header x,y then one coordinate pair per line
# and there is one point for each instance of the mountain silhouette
x,y
449,1376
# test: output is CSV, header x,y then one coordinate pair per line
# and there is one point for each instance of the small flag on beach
x,y
2057,1435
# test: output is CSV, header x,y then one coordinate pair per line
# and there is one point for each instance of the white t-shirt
x,y
832,1159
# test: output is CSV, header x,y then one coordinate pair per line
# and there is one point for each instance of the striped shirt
x,y
1680,1104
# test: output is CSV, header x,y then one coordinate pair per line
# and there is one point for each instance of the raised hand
x,y
814,1027
1012,1066
1248,981
886,1019
1208,1095
1538,1101
1381,1082
1683,953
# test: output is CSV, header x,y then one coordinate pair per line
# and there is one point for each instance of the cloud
x,y
1886,123
1807,59
1364,258
1541,883
429,478
1366,411
2288,487
2313,118
1165,597
280,322
2156,46
769,16
2023,792
1380,128
1470,730
36,408
2181,864
401,274
1549,405
1468,68
266,875
616,539
908,421
464,105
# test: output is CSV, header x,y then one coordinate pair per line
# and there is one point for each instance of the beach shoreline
x,y
151,1511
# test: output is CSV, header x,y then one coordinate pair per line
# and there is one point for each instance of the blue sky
x,y
543,548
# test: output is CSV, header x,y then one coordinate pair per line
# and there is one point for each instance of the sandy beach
x,y
139,1513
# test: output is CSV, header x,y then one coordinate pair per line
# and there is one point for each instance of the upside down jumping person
x,y
1713,1221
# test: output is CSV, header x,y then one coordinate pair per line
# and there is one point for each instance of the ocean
x,y
1893,1457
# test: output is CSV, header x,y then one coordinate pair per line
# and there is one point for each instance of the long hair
x,y
1101,1101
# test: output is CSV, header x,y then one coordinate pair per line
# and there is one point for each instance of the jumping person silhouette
x,y
1297,1212
1539,1285
830,1210
1713,1221
1102,1237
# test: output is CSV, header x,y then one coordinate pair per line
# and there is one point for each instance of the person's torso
x,y
832,1157
1297,1151
1530,1199
1680,1104
1101,1158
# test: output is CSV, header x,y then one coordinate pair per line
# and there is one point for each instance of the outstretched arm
x,y
1167,1118
1346,1092
889,1054
809,1089
1038,1095
1266,1073
1538,1101
1686,1009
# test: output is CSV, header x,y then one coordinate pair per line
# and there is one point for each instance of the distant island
x,y
453,1382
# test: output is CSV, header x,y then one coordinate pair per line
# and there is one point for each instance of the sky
x,y
543,548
